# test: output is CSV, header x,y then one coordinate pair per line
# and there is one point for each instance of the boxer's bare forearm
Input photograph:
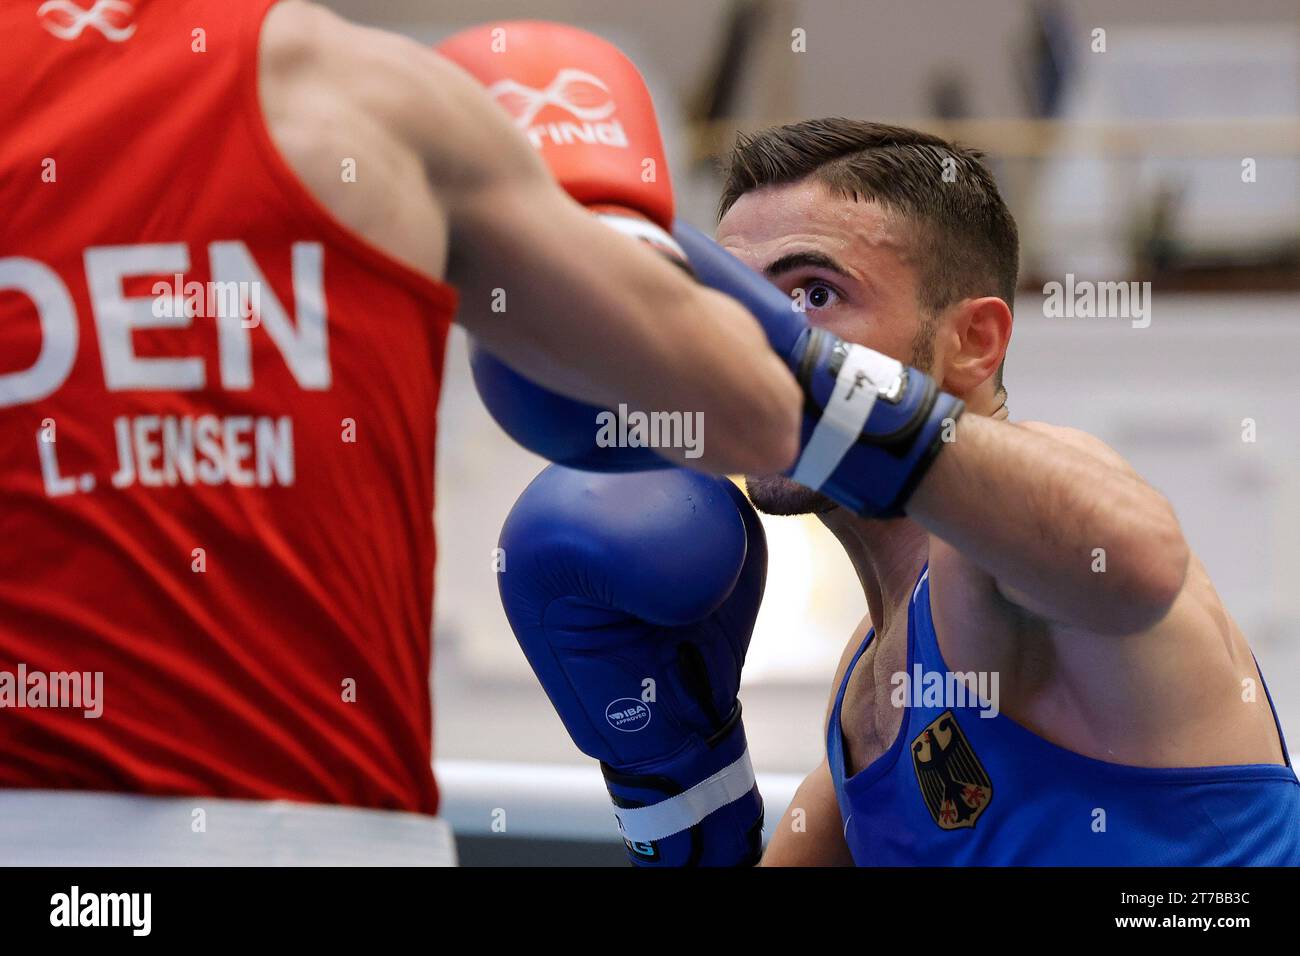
x,y
599,317
1043,517
448,185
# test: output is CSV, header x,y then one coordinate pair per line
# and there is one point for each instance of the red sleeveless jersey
x,y
217,424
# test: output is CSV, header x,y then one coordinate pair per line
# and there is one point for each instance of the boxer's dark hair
x,y
965,244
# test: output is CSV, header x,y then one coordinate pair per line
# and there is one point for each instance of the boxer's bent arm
x,y
811,833
587,312
644,334
1031,505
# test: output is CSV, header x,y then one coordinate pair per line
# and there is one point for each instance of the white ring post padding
x,y
663,819
864,375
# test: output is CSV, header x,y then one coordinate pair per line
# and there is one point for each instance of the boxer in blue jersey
x,y
1108,710
1045,675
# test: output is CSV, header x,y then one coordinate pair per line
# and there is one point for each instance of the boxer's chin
x,y
778,495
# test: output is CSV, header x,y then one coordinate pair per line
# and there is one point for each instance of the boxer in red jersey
x,y
227,264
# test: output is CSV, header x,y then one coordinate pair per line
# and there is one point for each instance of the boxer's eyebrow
x,y
804,260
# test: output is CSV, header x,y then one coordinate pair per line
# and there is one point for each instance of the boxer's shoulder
x,y
335,98
313,62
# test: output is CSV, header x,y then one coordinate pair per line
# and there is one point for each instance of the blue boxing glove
x,y
561,429
633,597
872,426
558,428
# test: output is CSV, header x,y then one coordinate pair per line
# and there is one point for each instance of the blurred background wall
x,y
1165,148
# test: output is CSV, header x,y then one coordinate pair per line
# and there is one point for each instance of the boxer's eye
x,y
819,295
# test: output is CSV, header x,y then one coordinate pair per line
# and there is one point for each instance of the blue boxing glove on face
x,y
872,425
633,597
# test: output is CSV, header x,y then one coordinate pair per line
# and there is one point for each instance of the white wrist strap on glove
x,y
644,230
663,819
865,376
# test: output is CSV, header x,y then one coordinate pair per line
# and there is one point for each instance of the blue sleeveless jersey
x,y
959,789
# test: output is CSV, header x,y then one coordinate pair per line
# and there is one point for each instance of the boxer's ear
x,y
977,332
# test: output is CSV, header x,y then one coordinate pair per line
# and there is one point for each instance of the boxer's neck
x,y
887,556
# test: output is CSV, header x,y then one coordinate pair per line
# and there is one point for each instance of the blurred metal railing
x,y
1030,138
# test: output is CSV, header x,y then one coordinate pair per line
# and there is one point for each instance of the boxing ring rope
x,y
553,801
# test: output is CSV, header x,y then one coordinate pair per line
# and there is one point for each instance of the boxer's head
x,y
892,238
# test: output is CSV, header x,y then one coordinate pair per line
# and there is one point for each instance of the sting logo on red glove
x,y
567,91
582,104
583,96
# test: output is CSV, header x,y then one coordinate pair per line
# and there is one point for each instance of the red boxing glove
x,y
586,109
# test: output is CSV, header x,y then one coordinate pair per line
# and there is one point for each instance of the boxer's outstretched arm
x,y
446,183
1031,504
